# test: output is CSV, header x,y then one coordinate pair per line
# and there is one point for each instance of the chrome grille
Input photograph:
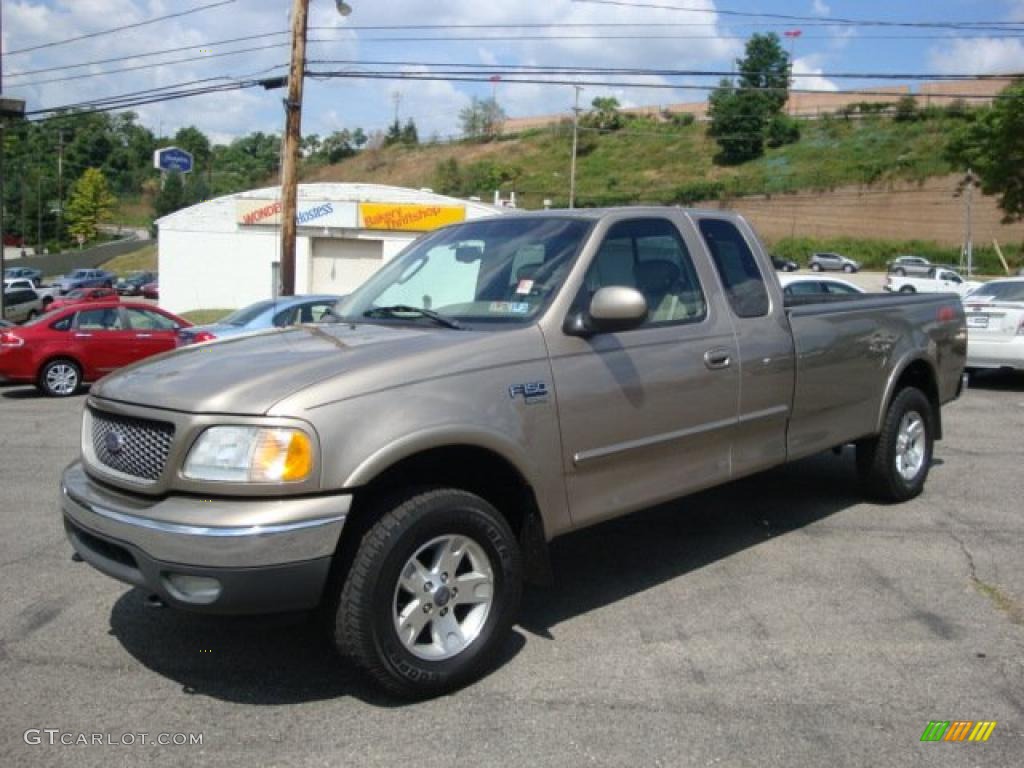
x,y
135,447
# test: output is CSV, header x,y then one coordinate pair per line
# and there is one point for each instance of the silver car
x,y
910,265
822,262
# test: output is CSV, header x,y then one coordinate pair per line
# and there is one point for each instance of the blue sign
x,y
172,159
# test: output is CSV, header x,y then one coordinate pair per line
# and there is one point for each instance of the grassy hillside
x,y
654,162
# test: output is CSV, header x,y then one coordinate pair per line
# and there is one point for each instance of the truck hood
x,y
249,375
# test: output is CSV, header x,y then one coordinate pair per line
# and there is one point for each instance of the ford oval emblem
x,y
114,443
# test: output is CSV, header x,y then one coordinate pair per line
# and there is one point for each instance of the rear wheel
x,y
908,289
894,465
900,272
816,267
32,315
432,592
60,378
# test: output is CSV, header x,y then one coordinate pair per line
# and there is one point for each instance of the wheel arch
x,y
915,372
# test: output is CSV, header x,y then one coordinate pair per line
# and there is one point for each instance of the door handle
x,y
718,358
143,335
83,335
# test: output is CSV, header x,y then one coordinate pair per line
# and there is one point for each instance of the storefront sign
x,y
310,213
409,217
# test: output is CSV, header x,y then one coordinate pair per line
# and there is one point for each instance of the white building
x,y
224,253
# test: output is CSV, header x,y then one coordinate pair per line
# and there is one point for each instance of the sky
x,y
672,38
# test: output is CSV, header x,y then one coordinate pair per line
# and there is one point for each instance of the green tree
x,y
448,177
765,70
410,135
742,113
195,142
993,147
482,119
91,204
605,115
171,197
359,138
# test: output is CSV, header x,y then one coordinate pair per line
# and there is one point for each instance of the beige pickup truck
x,y
500,383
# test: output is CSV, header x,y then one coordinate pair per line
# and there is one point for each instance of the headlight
x,y
250,455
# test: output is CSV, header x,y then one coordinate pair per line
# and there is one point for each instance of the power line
x,y
996,25
482,78
512,69
112,30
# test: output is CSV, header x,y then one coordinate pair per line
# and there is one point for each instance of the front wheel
x,y
894,465
848,269
60,378
431,594
816,267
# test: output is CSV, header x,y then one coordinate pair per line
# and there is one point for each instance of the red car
x,y
84,296
60,350
151,290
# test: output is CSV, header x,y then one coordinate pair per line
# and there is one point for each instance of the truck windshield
x,y
499,271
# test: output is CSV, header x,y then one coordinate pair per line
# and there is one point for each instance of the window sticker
x,y
524,287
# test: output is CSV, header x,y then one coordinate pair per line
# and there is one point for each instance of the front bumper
x,y
211,555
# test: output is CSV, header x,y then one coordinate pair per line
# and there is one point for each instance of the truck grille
x,y
135,447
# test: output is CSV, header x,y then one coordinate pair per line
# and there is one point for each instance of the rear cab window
x,y
737,268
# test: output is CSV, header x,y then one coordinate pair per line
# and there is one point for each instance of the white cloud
x,y
820,8
815,81
990,56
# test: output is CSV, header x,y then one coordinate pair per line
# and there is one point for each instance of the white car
x,y
938,281
811,285
995,325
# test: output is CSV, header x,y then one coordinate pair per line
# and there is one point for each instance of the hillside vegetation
x,y
648,161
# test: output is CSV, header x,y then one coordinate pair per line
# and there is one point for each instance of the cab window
x,y
650,256
737,268
107,319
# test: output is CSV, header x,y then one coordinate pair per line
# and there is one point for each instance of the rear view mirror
x,y
612,309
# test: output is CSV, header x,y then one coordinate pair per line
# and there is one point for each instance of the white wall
x,y
220,270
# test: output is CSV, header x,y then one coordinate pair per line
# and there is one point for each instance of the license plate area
x,y
977,321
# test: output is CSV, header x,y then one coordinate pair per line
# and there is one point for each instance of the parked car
x,y
85,278
784,265
807,285
910,265
22,305
151,290
287,310
995,325
6,323
61,350
35,275
133,283
938,280
47,293
476,401
86,296
821,262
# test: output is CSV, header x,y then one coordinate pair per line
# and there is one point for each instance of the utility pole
x,y
396,97
60,185
575,144
292,138
968,235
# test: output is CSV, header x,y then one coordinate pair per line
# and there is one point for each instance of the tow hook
x,y
154,601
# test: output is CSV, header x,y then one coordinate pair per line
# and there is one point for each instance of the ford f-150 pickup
x,y
498,384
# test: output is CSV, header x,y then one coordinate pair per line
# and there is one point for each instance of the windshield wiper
x,y
396,310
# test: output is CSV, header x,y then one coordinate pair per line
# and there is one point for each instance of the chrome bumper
x,y
216,533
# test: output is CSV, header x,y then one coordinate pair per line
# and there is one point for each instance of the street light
x,y
292,136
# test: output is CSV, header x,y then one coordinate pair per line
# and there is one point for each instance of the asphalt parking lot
x,y
780,621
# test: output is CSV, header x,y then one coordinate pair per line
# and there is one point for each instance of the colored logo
x,y
409,217
958,730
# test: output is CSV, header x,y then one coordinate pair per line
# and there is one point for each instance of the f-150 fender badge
x,y
531,392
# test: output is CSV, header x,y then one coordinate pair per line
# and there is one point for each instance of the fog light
x,y
201,590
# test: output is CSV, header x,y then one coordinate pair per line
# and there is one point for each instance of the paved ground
x,y
777,622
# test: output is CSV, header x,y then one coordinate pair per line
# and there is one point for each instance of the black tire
x,y
364,621
32,315
877,457
900,272
849,269
816,267
52,385
908,289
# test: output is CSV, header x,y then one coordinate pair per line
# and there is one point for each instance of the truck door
x,y
647,414
766,355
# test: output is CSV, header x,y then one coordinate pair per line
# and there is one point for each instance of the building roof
x,y
217,208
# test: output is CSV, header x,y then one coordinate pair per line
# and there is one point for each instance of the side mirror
x,y
613,308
